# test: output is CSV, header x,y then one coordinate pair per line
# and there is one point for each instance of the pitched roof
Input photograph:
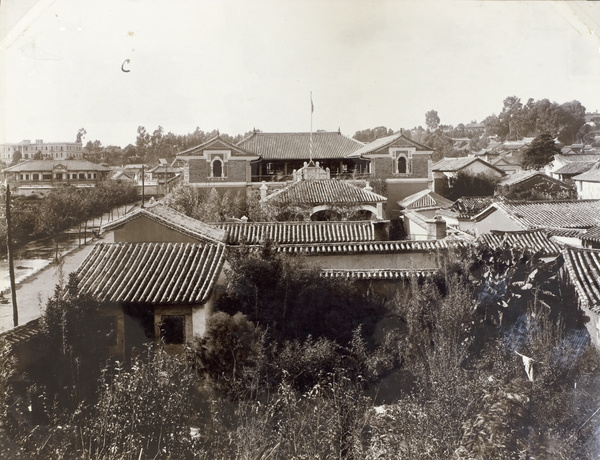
x,y
151,273
576,167
583,269
296,146
549,214
533,240
48,165
591,175
22,333
424,199
297,232
377,274
577,157
592,234
216,143
398,139
321,191
518,177
472,204
174,220
456,164
370,247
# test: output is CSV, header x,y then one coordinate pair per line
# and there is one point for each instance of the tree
x,y
17,156
230,352
540,152
80,135
369,135
467,184
432,120
143,410
290,298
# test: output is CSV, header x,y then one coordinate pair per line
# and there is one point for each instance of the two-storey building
x,y
38,177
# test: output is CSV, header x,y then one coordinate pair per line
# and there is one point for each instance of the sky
x,y
234,65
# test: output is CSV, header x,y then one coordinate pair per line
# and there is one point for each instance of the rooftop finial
x,y
218,133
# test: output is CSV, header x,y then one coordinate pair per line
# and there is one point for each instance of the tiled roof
x,y
371,247
174,220
151,273
324,191
592,175
592,234
533,240
472,204
216,143
397,139
376,274
297,232
165,169
583,269
566,232
424,199
22,333
551,214
456,164
577,157
48,165
296,146
521,176
576,167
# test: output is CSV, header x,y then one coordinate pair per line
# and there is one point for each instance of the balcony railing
x,y
289,177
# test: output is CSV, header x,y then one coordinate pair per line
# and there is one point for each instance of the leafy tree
x,y
289,297
540,152
432,120
467,184
232,354
81,132
369,135
76,344
17,156
143,411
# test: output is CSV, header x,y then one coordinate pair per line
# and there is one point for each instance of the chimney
x,y
263,191
436,228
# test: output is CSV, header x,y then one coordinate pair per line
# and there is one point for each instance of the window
x,y
172,329
36,176
217,167
82,175
47,176
58,176
402,166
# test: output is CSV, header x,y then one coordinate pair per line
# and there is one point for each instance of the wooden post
x,y
11,262
142,186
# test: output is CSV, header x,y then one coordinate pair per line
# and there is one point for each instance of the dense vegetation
x,y
487,360
63,208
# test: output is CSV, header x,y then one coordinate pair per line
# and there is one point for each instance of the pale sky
x,y
237,65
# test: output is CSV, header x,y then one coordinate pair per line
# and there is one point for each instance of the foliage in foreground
x,y
483,364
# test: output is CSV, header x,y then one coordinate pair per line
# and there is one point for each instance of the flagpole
x,y
312,109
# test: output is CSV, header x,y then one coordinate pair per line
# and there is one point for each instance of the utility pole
x,y
143,186
11,262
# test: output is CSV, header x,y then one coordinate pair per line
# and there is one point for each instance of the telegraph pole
x,y
11,262
143,186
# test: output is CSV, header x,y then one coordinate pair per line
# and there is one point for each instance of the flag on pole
x,y
312,106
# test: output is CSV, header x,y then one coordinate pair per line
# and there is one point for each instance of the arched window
x,y
402,166
217,168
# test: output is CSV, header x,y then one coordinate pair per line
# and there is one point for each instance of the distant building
x,y
446,170
402,163
47,150
588,183
40,176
